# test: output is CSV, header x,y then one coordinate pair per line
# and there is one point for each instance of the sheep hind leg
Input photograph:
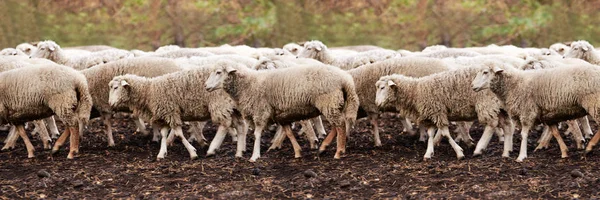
x,y
196,133
430,145
256,149
422,133
459,151
61,140
141,127
408,128
288,132
544,140
74,142
179,133
310,134
11,139
242,130
21,131
44,136
155,132
328,140
277,139
217,141
374,119
51,124
341,142
164,131
523,149
484,140
109,135
561,143
576,133
585,125
463,133
319,126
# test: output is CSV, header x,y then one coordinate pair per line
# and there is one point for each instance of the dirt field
x,y
395,170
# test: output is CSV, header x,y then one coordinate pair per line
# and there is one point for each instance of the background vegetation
x,y
395,24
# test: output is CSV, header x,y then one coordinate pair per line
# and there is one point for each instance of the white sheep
x,y
317,50
11,52
559,48
40,91
26,48
170,99
583,50
287,95
547,95
52,51
293,48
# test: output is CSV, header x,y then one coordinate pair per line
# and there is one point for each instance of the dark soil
x,y
395,170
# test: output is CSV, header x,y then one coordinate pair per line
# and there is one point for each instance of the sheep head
x,y
579,50
385,90
312,49
11,52
486,75
560,48
46,49
26,48
264,63
532,63
119,91
292,48
220,74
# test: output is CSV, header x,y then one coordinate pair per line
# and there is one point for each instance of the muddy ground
x,y
395,170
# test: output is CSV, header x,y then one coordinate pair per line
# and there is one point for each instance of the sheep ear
x,y
391,83
124,83
230,69
585,48
318,48
51,48
497,69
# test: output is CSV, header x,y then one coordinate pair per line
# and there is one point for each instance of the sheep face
x,y
531,63
312,49
119,92
45,49
292,48
264,64
26,48
579,49
559,48
11,52
218,77
385,90
484,77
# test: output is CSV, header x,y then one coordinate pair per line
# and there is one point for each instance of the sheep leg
x,y
484,140
508,126
11,139
437,138
177,131
544,139
257,134
141,127
196,133
21,131
310,133
561,143
51,123
422,133
576,133
408,128
288,132
61,140
585,124
217,141
459,151
108,130
242,130
74,143
164,131
277,139
341,142
44,136
593,142
156,132
234,137
328,140
319,126
373,118
429,152
171,138
463,133
523,149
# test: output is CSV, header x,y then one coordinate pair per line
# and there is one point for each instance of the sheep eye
x,y
485,72
218,72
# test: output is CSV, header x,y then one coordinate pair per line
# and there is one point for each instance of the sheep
x,y
439,98
91,48
12,52
317,50
433,48
26,48
560,48
181,53
167,48
99,76
539,95
173,98
358,48
583,50
477,60
40,91
450,52
366,76
51,51
199,61
292,48
275,95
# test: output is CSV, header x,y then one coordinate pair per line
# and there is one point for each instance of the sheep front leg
x,y
310,133
141,127
459,151
576,133
61,140
523,149
51,123
11,139
217,141
328,140
319,126
196,133
74,143
44,136
374,119
585,124
422,133
177,131
108,130
164,131
429,152
544,140
277,139
593,142
21,131
156,132
508,126
257,134
288,132
341,142
561,143
242,130
408,128
485,140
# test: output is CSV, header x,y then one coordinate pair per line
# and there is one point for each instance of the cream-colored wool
x,y
318,51
583,50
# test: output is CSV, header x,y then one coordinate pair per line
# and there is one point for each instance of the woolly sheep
x,y
11,52
180,53
91,48
40,91
51,51
358,48
429,100
167,48
199,61
99,76
292,48
433,48
583,50
317,50
450,52
26,48
560,48
540,95
274,95
173,98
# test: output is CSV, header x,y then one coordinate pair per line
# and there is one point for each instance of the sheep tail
x,y
84,103
351,104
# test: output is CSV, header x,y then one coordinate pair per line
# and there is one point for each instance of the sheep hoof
x,y
160,158
505,156
460,157
426,158
520,159
54,151
477,154
210,154
194,157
